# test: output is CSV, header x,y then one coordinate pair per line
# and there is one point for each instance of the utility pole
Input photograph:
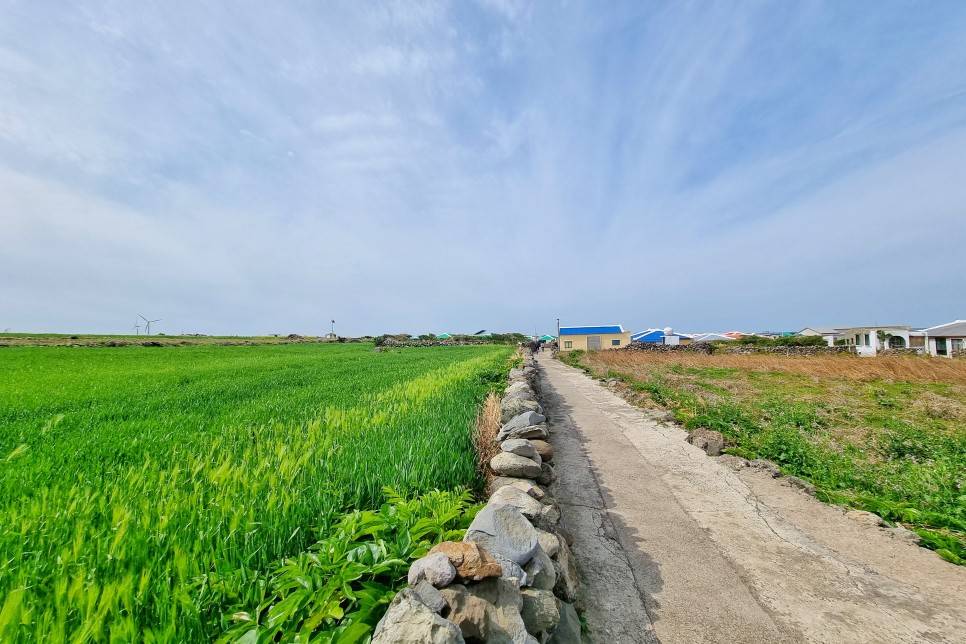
x,y
558,327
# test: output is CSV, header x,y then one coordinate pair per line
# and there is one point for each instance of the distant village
x,y
948,340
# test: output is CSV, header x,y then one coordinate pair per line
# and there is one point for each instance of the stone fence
x,y
513,577
737,349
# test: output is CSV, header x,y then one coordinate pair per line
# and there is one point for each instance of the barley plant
x,y
145,493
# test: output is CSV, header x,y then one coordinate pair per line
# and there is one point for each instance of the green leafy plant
x,y
338,590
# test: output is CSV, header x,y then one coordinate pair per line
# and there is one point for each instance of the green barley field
x,y
145,492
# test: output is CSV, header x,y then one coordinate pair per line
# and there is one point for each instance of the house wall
x,y
580,341
931,346
873,346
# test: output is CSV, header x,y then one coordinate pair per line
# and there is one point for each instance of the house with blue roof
x,y
660,336
590,338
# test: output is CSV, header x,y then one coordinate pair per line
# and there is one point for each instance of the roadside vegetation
x,y
180,494
887,435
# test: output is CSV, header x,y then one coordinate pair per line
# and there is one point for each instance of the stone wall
x,y
513,577
736,349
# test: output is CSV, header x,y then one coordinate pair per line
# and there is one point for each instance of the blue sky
x,y
253,167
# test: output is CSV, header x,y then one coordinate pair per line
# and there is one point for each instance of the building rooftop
x,y
957,328
591,330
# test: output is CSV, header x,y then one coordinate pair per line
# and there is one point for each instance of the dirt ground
x,y
675,546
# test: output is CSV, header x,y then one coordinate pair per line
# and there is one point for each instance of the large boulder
x,y
507,464
539,612
470,560
521,447
434,568
526,504
544,449
410,620
567,630
520,421
501,529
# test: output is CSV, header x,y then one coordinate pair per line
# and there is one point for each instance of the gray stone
x,y
507,464
429,595
472,615
540,570
521,447
530,488
549,542
526,504
512,570
519,387
435,568
710,441
501,529
410,620
546,476
500,481
522,420
529,432
517,375
550,515
506,601
568,629
567,579
765,466
539,611
512,407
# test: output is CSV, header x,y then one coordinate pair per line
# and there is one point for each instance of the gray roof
x,y
823,330
955,329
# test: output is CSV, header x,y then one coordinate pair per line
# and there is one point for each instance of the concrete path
x,y
673,546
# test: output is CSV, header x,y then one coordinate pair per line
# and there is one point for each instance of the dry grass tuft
x,y
891,368
484,435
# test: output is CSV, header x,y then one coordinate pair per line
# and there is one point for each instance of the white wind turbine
x,y
147,330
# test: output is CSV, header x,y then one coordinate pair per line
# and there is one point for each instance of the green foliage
x,y
144,492
339,588
784,341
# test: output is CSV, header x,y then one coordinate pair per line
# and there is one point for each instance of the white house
x,y
946,339
869,340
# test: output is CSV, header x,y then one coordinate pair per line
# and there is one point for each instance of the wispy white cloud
x,y
410,165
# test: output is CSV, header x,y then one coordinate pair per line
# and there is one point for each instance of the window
x,y
868,342
615,343
568,344
956,344
858,339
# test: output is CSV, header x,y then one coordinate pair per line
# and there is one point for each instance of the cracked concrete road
x,y
674,546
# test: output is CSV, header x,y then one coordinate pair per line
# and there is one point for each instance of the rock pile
x,y
513,577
